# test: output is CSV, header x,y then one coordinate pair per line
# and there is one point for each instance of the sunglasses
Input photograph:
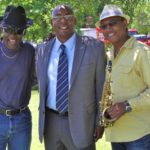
x,y
112,23
66,17
14,31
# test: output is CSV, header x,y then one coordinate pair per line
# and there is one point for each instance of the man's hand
x,y
98,133
116,111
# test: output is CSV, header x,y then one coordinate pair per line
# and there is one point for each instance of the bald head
x,y
62,7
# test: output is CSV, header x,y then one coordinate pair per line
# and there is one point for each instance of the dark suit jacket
x,y
87,80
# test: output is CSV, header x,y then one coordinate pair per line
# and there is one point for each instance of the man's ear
x,y
75,20
51,22
125,22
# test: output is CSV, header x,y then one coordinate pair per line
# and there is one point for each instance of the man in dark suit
x,y
75,124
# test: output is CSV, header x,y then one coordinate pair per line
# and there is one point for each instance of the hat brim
x,y
126,17
29,22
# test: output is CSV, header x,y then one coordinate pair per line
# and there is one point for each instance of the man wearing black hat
x,y
16,78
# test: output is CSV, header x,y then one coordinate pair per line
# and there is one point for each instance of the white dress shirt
x,y
53,65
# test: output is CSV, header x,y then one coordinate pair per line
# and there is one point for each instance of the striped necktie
x,y
62,82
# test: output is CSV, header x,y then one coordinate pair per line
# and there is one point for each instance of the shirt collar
x,y
69,43
129,43
126,46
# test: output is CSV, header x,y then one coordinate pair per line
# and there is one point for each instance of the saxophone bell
x,y
106,116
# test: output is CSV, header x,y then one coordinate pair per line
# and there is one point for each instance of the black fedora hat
x,y
15,17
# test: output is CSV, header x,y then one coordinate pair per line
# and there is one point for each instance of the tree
x,y
141,20
40,12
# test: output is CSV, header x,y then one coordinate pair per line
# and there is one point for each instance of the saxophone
x,y
106,101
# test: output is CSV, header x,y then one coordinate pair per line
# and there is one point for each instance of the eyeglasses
x,y
14,31
112,23
66,17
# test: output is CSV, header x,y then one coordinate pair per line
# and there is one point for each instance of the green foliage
x,y
141,21
40,12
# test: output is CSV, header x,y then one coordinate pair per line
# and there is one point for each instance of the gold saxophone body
x,y
106,100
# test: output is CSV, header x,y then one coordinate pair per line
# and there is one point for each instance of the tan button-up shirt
x,y
131,81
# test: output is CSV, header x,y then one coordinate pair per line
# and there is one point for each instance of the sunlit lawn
x,y
36,145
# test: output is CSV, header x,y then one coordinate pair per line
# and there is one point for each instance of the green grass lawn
x,y
36,145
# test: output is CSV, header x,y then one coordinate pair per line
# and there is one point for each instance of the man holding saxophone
x,y
130,84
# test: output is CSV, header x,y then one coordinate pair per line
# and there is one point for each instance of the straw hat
x,y
112,11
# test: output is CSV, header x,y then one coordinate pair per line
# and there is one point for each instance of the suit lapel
x,y
46,57
78,57
47,50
